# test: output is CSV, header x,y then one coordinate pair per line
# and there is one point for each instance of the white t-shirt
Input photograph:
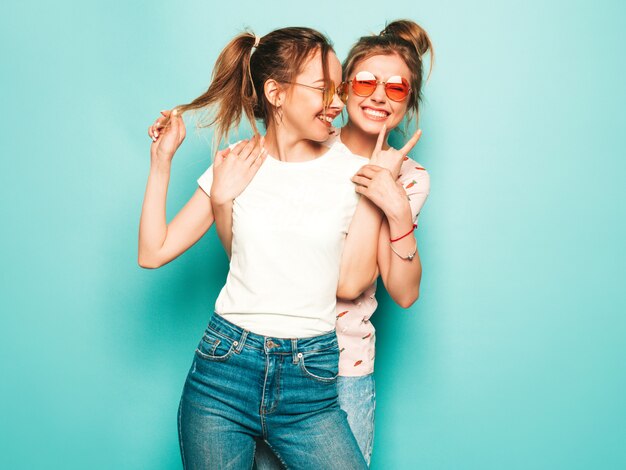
x,y
289,228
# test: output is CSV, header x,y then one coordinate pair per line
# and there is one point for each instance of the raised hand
x,y
167,133
233,169
391,159
377,184
378,180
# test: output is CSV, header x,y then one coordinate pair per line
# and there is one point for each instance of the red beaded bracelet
x,y
391,240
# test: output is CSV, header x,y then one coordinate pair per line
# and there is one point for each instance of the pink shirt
x,y
355,332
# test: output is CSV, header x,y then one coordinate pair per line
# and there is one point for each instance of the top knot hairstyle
x,y
405,38
243,67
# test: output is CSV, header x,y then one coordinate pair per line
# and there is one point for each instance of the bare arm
x,y
224,225
402,277
159,242
359,258
359,267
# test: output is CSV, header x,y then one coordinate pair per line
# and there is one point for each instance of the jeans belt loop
x,y
294,350
242,341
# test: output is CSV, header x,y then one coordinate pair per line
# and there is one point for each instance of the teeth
x,y
379,114
327,118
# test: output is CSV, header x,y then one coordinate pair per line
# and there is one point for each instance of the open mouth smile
x,y
327,119
375,114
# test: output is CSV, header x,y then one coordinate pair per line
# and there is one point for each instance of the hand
x,y
391,158
379,186
167,133
234,169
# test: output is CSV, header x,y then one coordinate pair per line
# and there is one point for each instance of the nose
x,y
336,104
379,95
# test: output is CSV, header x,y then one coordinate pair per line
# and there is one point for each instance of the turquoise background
x,y
513,358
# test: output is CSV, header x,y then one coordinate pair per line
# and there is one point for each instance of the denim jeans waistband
x,y
271,345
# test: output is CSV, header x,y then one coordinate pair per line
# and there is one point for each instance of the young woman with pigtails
x,y
382,86
266,367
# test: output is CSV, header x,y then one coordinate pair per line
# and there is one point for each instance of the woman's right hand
x,y
167,133
233,169
391,159
378,181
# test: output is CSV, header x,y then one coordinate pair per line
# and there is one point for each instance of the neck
x,y
358,141
287,147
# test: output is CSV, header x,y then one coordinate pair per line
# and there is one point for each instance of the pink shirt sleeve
x,y
416,182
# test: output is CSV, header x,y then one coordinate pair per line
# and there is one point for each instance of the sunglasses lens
x,y
363,87
331,90
342,92
329,93
397,91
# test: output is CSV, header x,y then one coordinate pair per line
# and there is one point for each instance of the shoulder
x,y
337,146
414,177
345,158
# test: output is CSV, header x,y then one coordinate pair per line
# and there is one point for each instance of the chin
x,y
321,137
320,134
370,127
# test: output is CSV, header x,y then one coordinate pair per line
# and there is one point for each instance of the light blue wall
x,y
513,358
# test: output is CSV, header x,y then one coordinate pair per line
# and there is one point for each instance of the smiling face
x,y
303,106
369,113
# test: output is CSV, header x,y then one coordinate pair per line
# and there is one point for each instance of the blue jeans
x,y
243,387
357,397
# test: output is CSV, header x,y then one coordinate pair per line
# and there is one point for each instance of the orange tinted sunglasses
x,y
328,91
364,84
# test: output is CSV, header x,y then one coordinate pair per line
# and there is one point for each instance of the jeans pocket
x,y
215,347
322,366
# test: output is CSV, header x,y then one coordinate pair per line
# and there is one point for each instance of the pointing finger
x,y
381,139
411,143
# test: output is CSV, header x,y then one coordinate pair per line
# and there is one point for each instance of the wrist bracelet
x,y
409,257
391,240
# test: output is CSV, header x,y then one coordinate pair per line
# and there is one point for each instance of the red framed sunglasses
x,y
364,84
